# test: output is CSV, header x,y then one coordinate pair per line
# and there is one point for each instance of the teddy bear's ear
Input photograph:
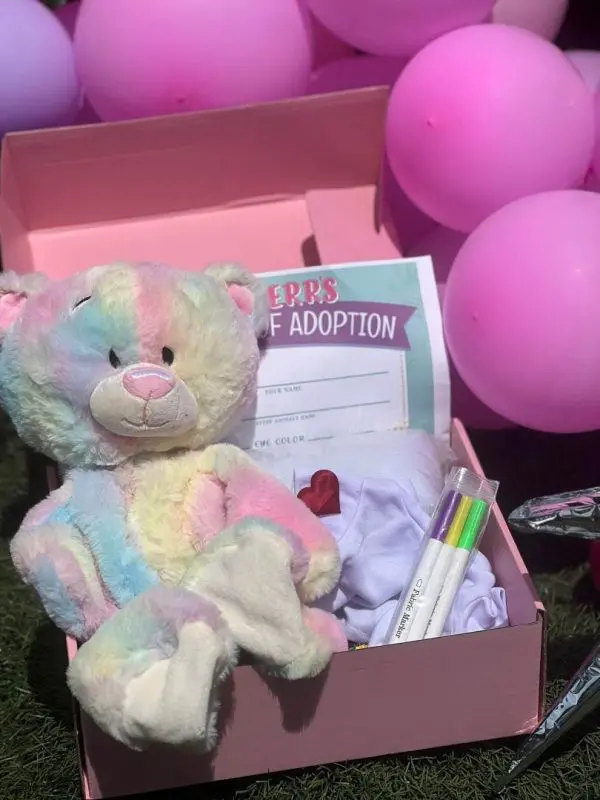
x,y
246,291
15,290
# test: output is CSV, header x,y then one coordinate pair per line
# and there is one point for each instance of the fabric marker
x,y
439,573
458,568
407,608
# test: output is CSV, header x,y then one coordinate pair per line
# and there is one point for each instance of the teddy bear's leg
x,y
151,673
54,560
251,572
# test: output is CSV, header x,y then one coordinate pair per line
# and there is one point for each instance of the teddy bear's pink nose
x,y
149,384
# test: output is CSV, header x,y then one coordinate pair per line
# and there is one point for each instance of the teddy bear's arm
x,y
50,555
252,493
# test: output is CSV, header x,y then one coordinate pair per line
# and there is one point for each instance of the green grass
x,y
37,749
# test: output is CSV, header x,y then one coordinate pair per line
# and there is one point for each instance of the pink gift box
x,y
275,186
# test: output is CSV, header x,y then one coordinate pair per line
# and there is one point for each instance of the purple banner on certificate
x,y
361,324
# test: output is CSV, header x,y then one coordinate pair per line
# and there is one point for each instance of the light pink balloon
x,y
397,27
544,17
587,63
138,58
355,73
483,116
39,87
521,311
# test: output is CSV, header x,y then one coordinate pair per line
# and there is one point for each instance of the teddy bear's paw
x,y
175,701
323,636
322,575
150,674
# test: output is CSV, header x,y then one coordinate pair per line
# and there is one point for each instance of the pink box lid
x,y
249,184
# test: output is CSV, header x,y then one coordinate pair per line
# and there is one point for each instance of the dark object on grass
x,y
579,699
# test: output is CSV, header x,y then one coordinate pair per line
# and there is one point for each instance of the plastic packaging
x,y
457,525
573,514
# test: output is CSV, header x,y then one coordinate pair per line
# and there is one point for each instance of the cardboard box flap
x,y
91,174
347,226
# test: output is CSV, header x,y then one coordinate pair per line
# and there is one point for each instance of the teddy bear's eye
x,y
168,356
81,302
114,359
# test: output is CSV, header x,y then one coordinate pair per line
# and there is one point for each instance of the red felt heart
x,y
322,497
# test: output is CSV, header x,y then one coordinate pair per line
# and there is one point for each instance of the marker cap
x,y
473,524
445,515
459,521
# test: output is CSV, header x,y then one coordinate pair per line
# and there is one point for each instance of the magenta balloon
x,y
483,116
397,27
38,82
544,17
355,73
521,311
587,63
138,58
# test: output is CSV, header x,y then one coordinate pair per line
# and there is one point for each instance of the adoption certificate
x,y
352,348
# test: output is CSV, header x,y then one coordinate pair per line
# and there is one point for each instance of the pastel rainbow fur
x,y
164,552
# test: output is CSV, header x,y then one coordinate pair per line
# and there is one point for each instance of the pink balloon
x,y
463,403
138,58
397,27
544,17
483,116
38,82
587,63
596,156
521,311
355,73
327,47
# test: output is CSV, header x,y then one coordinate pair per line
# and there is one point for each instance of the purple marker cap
x,y
445,516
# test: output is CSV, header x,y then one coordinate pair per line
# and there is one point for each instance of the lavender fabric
x,y
379,532
382,523
411,457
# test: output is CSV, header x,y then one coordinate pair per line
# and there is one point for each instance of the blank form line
x,y
318,410
326,380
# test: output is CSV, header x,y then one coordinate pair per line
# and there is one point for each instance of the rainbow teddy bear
x,y
165,552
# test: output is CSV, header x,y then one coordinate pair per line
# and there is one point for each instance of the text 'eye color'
x,y
168,356
114,359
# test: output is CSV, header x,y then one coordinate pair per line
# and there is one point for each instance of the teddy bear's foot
x,y
150,674
250,572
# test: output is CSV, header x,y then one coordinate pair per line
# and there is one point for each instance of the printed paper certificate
x,y
352,348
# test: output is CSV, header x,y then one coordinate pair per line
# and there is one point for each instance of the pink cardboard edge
x,y
529,725
319,142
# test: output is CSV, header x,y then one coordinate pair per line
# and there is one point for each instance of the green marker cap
x,y
473,523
